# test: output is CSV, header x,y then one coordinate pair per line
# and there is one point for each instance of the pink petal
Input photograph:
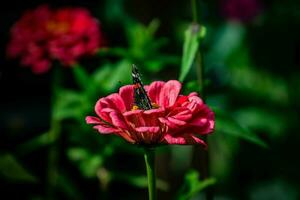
x,y
105,129
113,102
41,66
148,134
134,118
100,125
127,136
203,123
199,122
117,102
176,122
195,104
157,111
92,120
151,129
154,90
165,121
185,139
132,112
118,120
127,95
181,113
169,93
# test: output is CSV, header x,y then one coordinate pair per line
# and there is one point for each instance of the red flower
x,y
65,34
241,10
29,39
74,33
174,119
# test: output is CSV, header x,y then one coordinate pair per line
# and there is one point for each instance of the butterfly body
x,y
141,98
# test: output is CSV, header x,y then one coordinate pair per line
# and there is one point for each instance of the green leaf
x,y
70,104
68,187
81,76
109,76
191,44
228,125
13,171
33,144
138,180
113,51
226,40
255,118
88,163
192,185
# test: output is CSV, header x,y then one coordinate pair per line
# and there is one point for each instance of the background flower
x,y
241,10
43,35
29,39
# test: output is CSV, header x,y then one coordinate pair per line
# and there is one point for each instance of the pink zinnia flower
x,y
74,33
43,35
29,39
174,118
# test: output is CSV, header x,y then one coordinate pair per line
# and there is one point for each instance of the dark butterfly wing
x,y
141,98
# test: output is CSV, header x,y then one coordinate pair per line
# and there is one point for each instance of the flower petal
x,y
148,134
154,90
149,129
92,120
185,139
116,102
127,94
104,129
118,120
169,93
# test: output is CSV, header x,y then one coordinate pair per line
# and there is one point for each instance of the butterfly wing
x,y
141,98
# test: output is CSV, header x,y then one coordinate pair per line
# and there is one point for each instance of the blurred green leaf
x,y
109,76
70,104
78,154
68,188
81,76
255,118
33,144
225,40
141,39
258,83
228,125
275,189
13,171
191,44
88,163
114,51
193,185
138,180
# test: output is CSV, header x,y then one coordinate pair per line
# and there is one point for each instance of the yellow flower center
x,y
154,106
57,27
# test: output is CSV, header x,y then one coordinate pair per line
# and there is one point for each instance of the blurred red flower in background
x,y
240,10
43,35
174,118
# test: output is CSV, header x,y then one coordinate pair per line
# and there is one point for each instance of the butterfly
x,y
141,99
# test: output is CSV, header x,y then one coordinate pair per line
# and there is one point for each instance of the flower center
x,y
154,106
57,27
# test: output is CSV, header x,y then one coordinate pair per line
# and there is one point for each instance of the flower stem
x,y
53,137
149,156
201,157
194,11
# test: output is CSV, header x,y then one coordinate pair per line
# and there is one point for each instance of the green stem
x,y
201,156
150,166
194,11
53,137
